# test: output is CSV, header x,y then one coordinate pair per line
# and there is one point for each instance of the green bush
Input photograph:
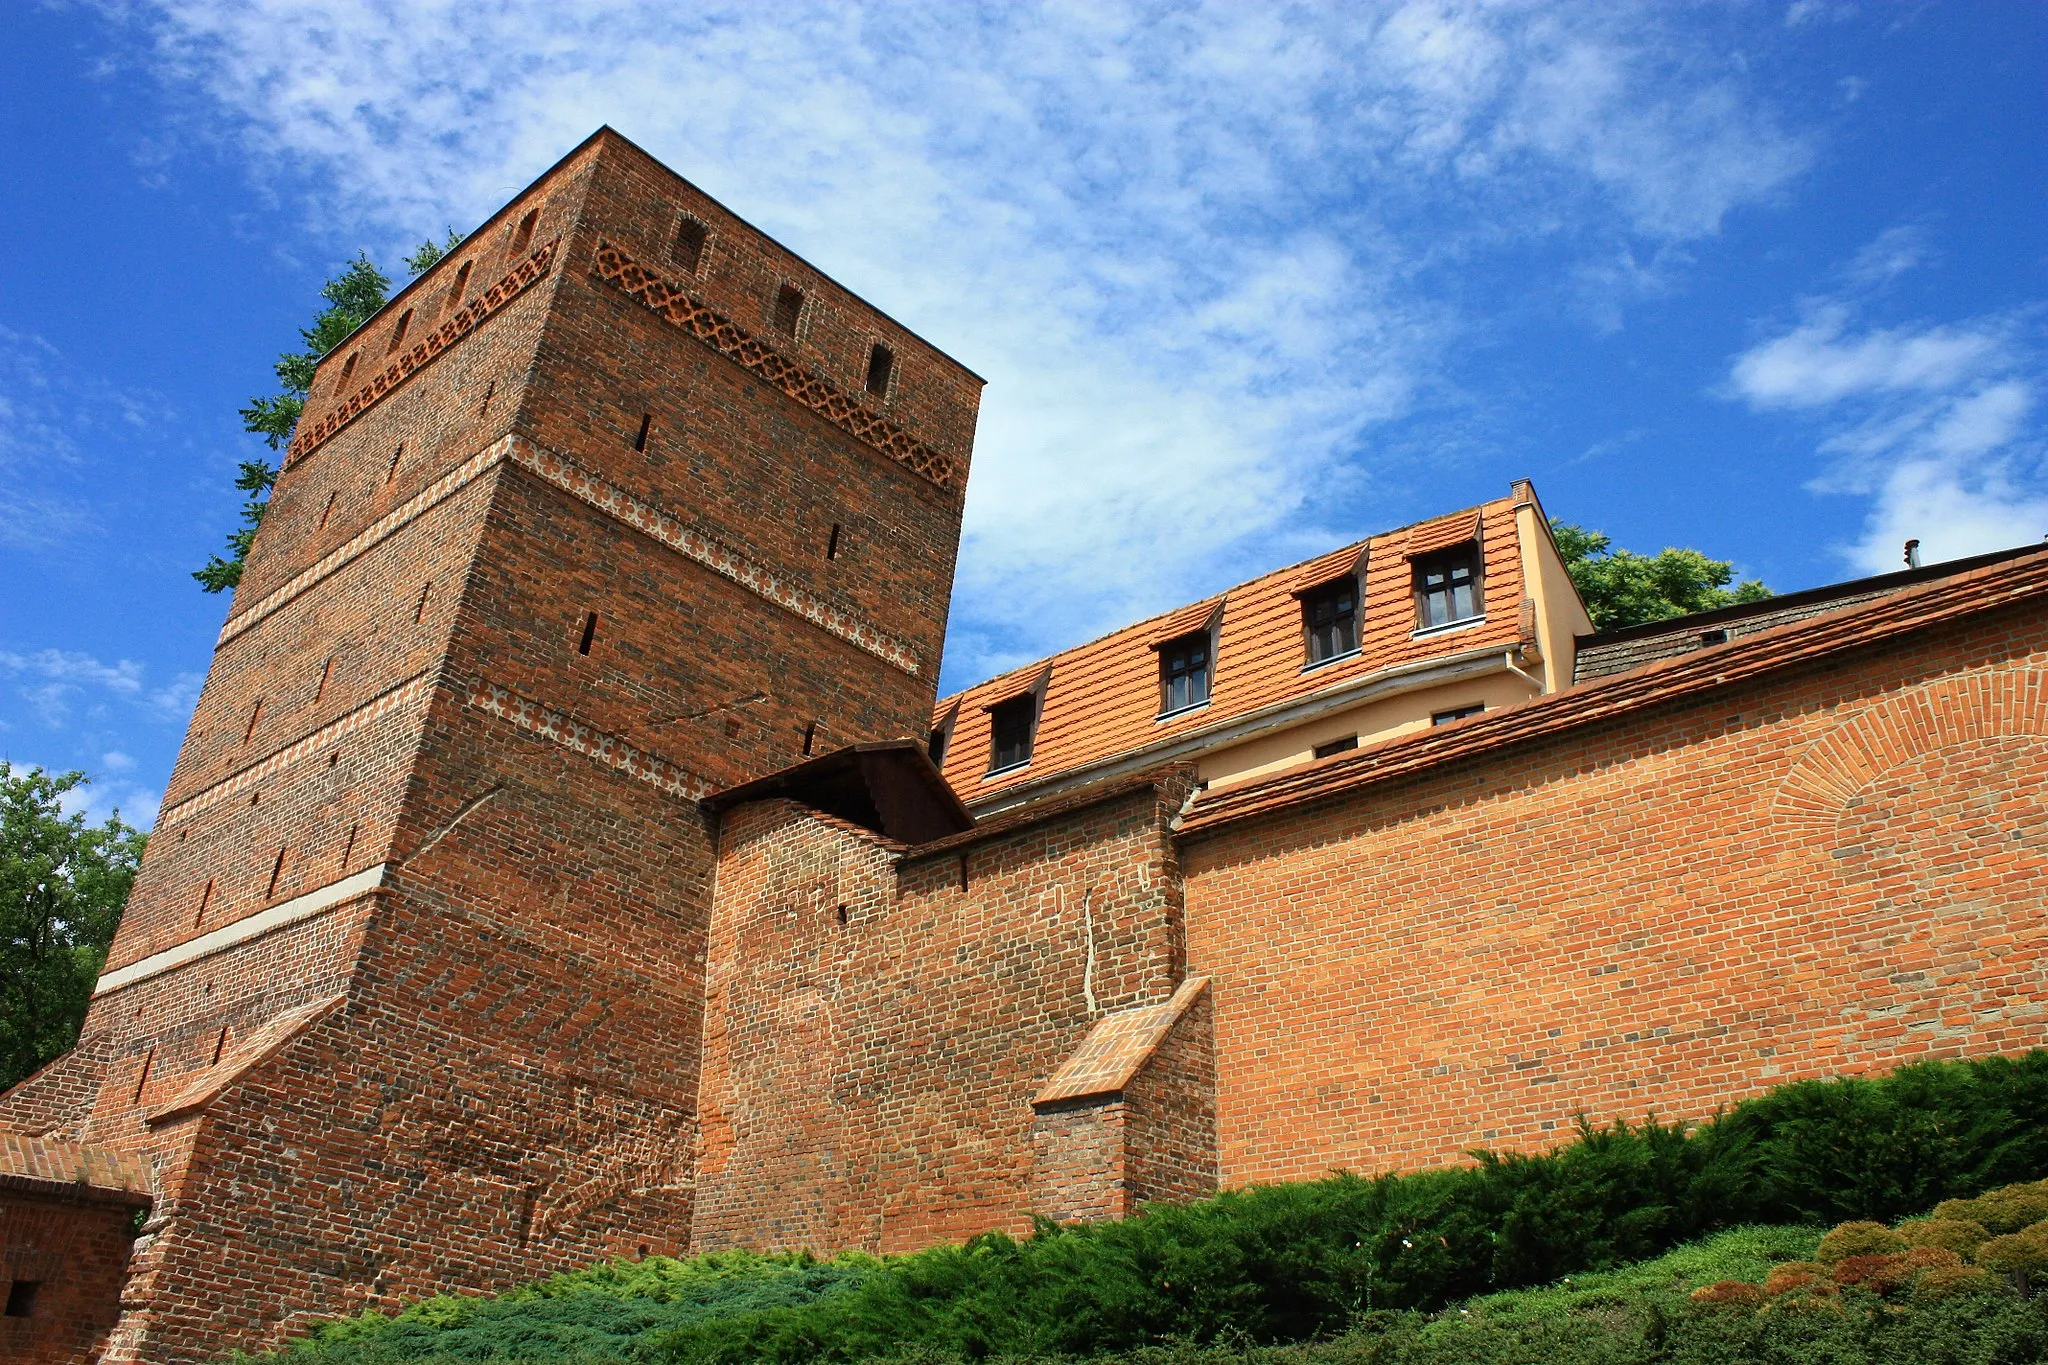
x,y
1858,1239
1293,1262
1959,1235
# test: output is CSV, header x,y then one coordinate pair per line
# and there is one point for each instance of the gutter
x,y
1387,682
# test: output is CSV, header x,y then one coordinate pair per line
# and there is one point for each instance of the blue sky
x,y
1247,281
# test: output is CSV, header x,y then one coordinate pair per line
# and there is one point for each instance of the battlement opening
x,y
687,250
789,309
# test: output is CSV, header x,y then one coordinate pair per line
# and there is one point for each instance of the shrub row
x,y
1293,1262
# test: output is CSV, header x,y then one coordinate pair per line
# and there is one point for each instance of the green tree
x,y
62,885
352,297
1623,588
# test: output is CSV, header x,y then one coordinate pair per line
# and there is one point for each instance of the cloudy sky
x,y
1246,280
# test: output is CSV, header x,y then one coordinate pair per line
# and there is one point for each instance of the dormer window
x,y
1184,673
1447,587
1329,616
1011,725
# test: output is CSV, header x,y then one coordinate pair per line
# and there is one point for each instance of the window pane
x,y
1447,587
1184,672
1331,615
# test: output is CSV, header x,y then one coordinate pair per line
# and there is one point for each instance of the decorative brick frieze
x,y
693,544
540,719
464,321
683,309
407,692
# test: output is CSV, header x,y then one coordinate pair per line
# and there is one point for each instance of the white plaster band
x,y
242,930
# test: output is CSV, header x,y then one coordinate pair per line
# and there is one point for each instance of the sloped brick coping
x,y
1118,1047
258,1048
72,1170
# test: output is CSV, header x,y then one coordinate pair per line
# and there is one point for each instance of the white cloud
x,y
1185,244
56,682
1937,423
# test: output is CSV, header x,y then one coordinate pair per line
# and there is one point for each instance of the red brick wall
x,y
76,1251
869,1083
1831,870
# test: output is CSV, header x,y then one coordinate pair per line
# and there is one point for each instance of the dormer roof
x,y
1102,699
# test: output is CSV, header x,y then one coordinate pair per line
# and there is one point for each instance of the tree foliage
x,y
351,297
1623,588
62,885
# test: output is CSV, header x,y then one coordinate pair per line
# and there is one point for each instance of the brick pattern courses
x,y
1830,868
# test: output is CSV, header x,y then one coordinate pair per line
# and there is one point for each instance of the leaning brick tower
x,y
618,504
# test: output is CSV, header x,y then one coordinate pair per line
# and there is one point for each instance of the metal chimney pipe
x,y
1913,554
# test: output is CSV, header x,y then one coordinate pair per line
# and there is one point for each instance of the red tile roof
x,y
1102,699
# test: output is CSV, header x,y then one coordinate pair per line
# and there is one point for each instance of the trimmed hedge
x,y
1293,1262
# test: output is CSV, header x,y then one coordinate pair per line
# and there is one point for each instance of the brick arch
x,y
1936,715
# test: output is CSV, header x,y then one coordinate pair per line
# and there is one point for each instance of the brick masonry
x,y
438,975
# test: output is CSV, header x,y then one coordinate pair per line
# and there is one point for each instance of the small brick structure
x,y
68,1217
554,868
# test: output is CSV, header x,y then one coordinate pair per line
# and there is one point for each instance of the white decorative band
x,y
620,505
540,719
438,491
242,930
348,723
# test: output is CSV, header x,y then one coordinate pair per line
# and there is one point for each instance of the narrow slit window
x,y
326,673
148,1060
391,470
276,871
688,250
327,511
21,1298
1011,725
459,290
935,746
1184,672
419,611
810,736
589,633
348,848
1329,616
1336,746
832,543
255,714
789,309
1447,587
489,389
220,1045
646,425
881,365
205,899
398,332
522,236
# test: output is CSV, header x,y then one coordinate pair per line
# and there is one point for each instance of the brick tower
x,y
618,504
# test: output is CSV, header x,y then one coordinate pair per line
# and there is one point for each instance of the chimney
x,y
1912,554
